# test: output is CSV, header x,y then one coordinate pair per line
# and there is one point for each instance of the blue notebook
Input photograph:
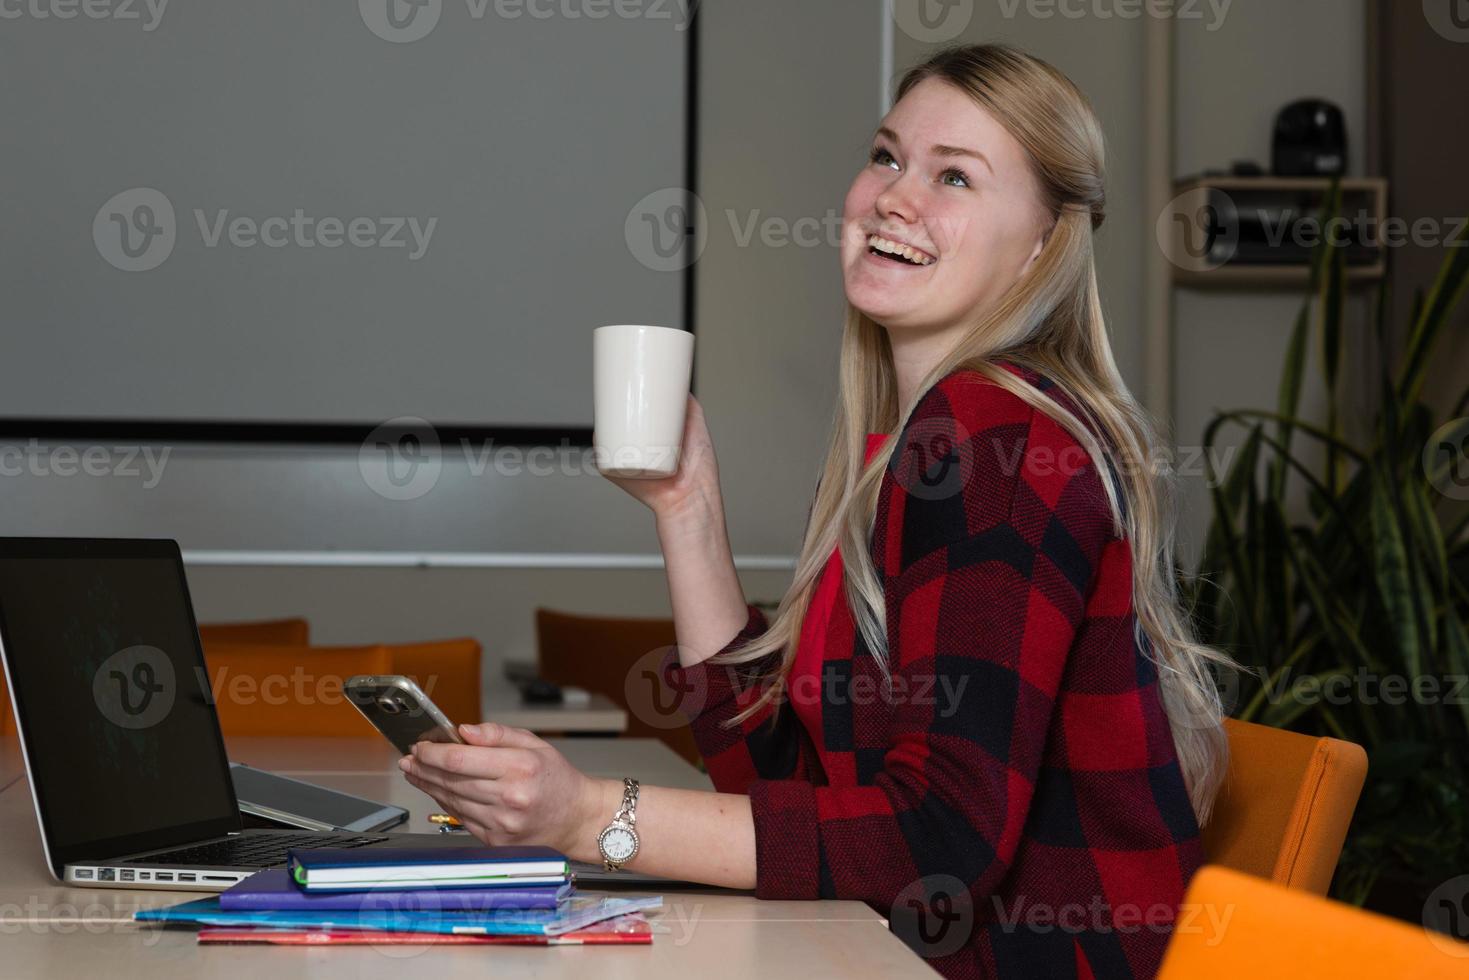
x,y
273,890
335,869
575,913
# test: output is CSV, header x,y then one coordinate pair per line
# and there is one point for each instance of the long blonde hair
x,y
1050,321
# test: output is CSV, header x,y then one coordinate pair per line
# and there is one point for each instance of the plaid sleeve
x,y
760,746
985,587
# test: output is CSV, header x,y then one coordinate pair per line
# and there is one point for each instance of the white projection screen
x,y
245,217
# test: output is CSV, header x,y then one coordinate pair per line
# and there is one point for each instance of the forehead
x,y
937,112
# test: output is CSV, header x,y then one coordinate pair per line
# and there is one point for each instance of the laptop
x,y
118,730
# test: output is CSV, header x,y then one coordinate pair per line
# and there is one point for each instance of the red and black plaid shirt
x,y
1010,796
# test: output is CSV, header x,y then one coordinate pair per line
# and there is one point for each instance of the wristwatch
x,y
618,841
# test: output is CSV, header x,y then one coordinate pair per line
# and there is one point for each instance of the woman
x,y
979,699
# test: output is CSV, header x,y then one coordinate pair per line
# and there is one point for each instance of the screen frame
x,y
105,848
247,432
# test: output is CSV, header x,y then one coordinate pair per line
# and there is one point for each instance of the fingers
x,y
492,734
478,761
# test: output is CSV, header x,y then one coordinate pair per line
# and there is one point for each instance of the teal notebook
x,y
576,913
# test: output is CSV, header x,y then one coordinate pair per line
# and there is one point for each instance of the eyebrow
x,y
940,149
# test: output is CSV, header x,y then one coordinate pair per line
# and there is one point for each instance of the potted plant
x,y
1342,565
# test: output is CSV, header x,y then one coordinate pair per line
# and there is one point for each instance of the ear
x,y
1040,244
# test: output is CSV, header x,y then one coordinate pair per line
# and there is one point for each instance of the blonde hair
x,y
1050,321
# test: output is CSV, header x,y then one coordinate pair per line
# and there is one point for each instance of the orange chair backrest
x,y
449,673
291,690
597,653
1235,926
291,632
1283,811
286,632
7,719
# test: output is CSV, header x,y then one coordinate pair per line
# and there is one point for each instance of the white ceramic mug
x,y
640,393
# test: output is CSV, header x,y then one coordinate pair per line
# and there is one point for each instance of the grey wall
x,y
789,98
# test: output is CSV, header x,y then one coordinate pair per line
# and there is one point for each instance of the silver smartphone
x,y
398,708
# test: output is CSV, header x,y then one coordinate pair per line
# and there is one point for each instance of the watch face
x,y
618,844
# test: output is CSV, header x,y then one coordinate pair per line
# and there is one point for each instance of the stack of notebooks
x,y
470,895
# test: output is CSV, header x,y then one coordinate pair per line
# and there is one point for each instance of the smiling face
x,y
947,181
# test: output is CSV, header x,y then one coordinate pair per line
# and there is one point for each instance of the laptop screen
x,y
121,739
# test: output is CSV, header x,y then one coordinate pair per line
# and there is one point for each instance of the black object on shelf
x,y
1310,140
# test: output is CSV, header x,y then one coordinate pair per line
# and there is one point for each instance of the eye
x,y
956,172
880,156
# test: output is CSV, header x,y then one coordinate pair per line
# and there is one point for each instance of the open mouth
x,y
898,253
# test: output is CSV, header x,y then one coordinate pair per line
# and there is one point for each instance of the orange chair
x,y
449,673
271,689
286,632
7,720
292,632
1234,925
1283,811
596,653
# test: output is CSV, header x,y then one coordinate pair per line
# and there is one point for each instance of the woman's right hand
x,y
694,489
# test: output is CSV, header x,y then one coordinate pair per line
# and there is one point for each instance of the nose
x,y
898,200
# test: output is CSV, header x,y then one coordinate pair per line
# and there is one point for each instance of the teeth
x,y
895,248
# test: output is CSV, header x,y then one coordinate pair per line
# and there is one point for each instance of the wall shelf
x,y
1216,230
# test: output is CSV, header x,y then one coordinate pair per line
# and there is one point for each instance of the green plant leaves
x,y
1367,583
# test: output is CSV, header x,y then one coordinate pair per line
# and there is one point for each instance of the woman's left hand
x,y
508,787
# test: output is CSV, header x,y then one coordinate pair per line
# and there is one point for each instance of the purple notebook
x,y
273,890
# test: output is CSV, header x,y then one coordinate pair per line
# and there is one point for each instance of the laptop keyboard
x,y
252,850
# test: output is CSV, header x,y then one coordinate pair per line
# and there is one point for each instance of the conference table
x,y
49,930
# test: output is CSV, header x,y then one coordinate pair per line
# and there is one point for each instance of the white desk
x,y
47,930
600,716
